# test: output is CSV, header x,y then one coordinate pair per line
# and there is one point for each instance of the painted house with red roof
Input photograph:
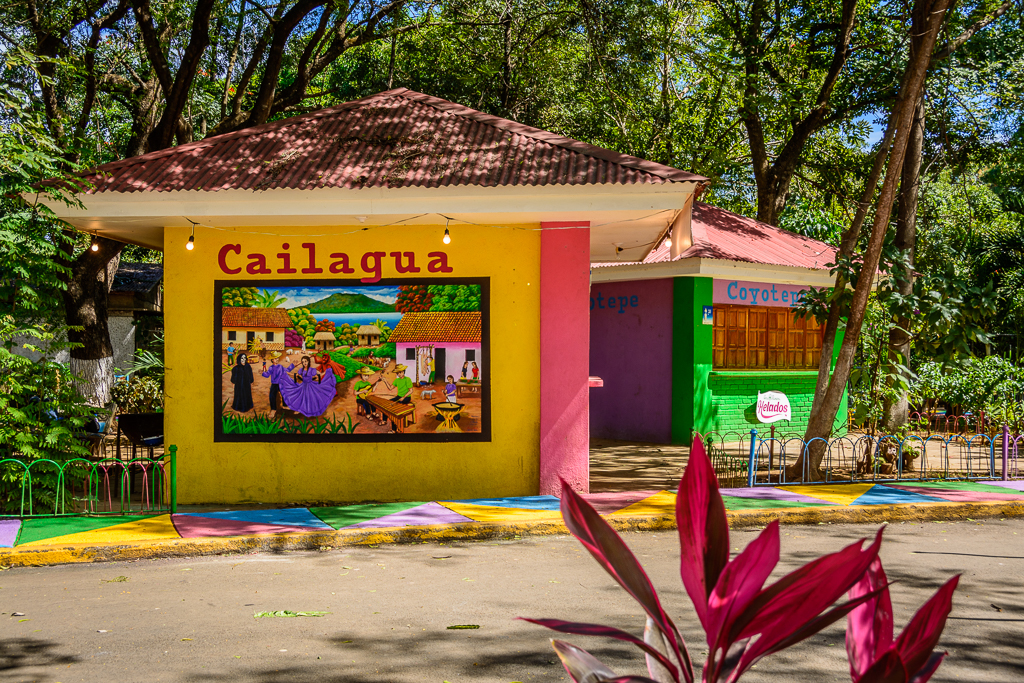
x,y
241,326
712,307
573,246
450,339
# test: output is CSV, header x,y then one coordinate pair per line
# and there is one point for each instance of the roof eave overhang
x,y
718,269
632,216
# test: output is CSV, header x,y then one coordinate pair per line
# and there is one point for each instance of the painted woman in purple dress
x,y
307,392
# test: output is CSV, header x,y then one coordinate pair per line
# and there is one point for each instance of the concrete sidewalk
x,y
43,541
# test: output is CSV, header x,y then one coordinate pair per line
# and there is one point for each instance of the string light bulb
x,y
447,239
191,244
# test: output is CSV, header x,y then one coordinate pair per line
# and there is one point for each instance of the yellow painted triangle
x,y
489,513
662,503
151,529
841,494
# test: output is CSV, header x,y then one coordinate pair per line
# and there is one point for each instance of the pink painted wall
x,y
631,350
564,357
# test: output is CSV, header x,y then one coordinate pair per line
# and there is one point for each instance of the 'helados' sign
x,y
773,406
756,293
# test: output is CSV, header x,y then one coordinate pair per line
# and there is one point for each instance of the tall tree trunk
x,y
928,18
85,307
895,409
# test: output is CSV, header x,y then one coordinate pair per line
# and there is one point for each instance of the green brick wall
x,y
734,395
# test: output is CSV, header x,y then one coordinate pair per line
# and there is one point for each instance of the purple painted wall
x,y
631,350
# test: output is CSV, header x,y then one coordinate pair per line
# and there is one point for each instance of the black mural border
x,y
484,435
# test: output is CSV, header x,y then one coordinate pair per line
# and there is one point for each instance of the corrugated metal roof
x,y
238,316
396,138
453,326
137,277
721,234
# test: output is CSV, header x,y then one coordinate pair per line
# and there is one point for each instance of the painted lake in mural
x,y
402,360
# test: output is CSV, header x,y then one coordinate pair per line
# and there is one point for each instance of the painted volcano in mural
x,y
337,361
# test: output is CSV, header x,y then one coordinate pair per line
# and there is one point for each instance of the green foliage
x,y
239,297
138,394
361,352
386,351
261,423
385,329
992,385
454,297
351,366
141,390
268,299
32,272
41,415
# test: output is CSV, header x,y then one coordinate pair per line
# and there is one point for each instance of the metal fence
x,y
746,459
48,488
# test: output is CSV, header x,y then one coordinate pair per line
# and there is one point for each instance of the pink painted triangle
x,y
613,501
189,526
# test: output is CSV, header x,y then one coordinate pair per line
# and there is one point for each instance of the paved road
x,y
192,620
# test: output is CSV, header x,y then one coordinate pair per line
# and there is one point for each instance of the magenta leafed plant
x,y
745,620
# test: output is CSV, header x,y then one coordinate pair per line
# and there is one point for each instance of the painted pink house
x,y
450,338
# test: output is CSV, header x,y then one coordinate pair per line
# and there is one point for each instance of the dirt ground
x,y
344,402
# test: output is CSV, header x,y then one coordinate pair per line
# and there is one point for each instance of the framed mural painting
x,y
345,361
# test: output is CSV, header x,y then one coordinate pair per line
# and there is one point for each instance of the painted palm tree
x,y
268,299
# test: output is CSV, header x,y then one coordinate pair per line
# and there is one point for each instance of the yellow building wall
x,y
210,472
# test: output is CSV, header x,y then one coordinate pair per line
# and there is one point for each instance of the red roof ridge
x,y
509,126
660,170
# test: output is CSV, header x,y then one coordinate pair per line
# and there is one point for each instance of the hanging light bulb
x,y
447,239
94,246
668,242
191,244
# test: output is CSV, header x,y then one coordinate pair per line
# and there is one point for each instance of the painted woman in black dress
x,y
241,377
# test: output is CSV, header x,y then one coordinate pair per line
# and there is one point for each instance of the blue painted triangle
x,y
281,517
521,502
884,495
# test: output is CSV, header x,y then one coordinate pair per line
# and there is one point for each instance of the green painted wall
x,y
734,394
724,401
692,406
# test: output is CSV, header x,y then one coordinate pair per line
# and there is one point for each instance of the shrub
x,y
41,415
386,351
138,395
351,366
744,620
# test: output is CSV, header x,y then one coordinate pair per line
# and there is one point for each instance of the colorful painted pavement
x,y
115,530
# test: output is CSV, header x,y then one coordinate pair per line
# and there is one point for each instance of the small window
x,y
761,337
270,336
470,354
232,335
410,353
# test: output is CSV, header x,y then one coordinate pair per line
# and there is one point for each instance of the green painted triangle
x,y
737,503
41,528
347,515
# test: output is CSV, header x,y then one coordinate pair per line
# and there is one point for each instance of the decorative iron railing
x,y
746,459
51,488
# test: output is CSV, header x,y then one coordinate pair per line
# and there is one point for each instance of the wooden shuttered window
x,y
761,337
